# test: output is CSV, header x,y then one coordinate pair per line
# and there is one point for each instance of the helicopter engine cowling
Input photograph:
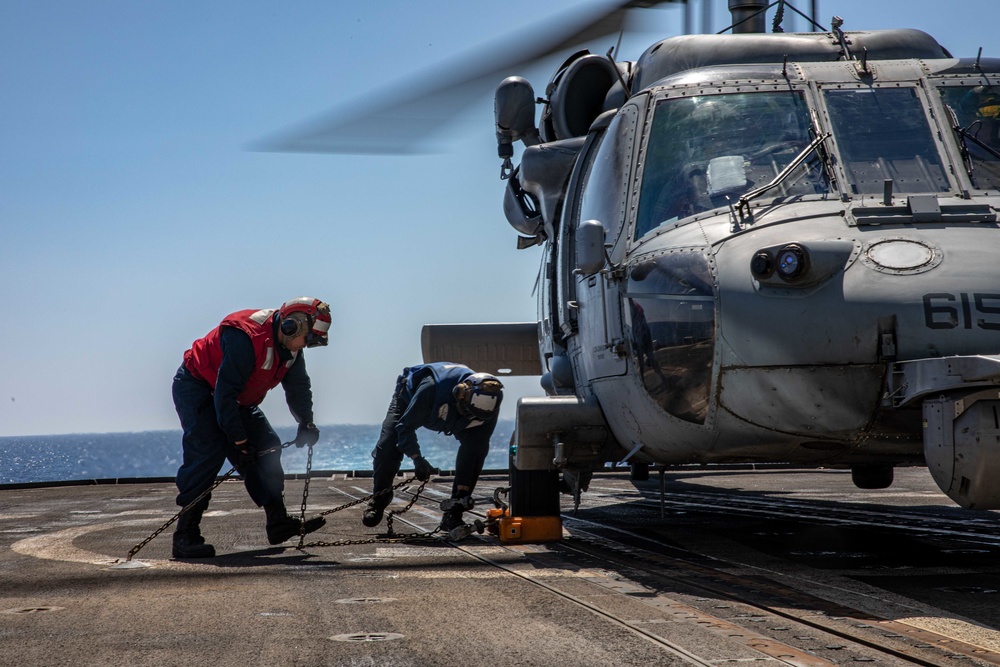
x,y
576,96
544,170
521,208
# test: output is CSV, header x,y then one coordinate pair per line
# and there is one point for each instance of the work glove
x,y
246,457
423,469
308,434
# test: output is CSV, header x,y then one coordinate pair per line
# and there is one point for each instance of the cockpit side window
x,y
883,133
977,111
705,151
605,191
671,331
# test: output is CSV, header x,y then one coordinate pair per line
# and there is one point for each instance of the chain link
x,y
305,495
390,537
389,517
395,539
137,548
373,496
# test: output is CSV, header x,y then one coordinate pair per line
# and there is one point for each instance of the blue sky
x,y
133,217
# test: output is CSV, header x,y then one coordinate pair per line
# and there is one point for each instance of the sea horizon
x,y
142,454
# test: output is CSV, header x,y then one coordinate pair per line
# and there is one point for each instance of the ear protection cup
x,y
295,324
478,395
305,315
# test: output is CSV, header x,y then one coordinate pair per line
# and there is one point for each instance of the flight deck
x,y
713,567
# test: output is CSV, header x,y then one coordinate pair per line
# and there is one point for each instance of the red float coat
x,y
205,356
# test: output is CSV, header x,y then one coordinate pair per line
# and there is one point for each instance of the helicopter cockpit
x,y
869,146
976,119
705,151
882,133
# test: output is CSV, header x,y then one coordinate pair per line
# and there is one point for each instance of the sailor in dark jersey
x,y
448,398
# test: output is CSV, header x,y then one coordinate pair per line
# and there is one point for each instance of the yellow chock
x,y
530,529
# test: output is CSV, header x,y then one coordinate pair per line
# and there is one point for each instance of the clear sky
x,y
132,217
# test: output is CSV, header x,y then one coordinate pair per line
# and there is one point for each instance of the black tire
x,y
533,492
872,475
638,472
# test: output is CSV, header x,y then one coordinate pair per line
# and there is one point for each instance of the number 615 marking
x,y
949,311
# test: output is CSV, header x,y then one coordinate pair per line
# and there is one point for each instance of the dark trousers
x,y
387,459
206,446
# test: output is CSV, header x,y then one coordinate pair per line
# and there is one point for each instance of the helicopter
x,y
755,248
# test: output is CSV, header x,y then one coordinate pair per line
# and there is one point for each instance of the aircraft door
x,y
600,327
602,195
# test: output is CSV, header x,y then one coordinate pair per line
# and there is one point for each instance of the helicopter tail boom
x,y
505,349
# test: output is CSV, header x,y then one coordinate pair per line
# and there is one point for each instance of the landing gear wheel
x,y
872,475
638,472
533,492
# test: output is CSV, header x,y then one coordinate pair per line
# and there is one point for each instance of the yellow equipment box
x,y
526,529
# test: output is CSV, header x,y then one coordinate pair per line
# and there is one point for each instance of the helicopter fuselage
x,y
770,248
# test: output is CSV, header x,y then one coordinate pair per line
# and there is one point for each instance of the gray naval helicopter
x,y
755,247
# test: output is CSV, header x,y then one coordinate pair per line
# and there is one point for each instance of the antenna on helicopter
x,y
835,26
621,79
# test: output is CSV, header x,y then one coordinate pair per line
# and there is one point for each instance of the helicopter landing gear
x,y
872,475
574,483
533,515
533,492
638,472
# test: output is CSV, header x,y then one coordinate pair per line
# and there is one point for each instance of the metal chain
x,y
390,537
137,548
393,513
395,539
305,495
134,550
365,499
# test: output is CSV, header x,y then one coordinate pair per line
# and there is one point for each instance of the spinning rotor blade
x,y
399,119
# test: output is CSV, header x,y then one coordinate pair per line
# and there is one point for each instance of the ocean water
x,y
87,456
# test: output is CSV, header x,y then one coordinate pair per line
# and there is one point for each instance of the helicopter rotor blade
x,y
403,118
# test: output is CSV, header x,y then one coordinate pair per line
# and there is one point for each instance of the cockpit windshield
x,y
705,151
882,133
977,111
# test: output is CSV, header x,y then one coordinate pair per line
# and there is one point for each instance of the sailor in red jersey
x,y
217,391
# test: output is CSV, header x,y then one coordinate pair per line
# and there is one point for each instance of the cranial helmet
x,y
478,396
305,314
980,102
989,105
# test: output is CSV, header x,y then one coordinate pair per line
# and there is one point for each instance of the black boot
x,y
452,519
452,522
188,542
376,508
372,516
282,527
